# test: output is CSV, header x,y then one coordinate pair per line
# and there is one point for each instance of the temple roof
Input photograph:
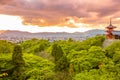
x,y
110,25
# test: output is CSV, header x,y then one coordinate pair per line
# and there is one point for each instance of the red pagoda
x,y
109,31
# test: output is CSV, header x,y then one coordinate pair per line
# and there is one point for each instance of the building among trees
x,y
111,33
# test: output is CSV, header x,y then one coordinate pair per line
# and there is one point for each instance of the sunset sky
x,y
58,15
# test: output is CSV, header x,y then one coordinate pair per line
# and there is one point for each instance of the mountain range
x,y
16,36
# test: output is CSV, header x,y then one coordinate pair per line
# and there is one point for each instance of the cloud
x,y
4,2
60,12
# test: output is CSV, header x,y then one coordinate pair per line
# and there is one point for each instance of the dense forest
x,y
60,60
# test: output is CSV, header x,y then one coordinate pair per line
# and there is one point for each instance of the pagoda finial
x,y
110,22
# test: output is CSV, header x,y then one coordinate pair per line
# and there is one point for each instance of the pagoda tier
x,y
110,30
110,26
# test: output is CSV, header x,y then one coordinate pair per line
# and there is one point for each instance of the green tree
x,y
17,56
6,47
19,63
70,40
61,61
56,52
62,64
94,41
112,49
38,68
40,48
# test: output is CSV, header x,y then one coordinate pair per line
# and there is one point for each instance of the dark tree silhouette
x,y
18,62
57,52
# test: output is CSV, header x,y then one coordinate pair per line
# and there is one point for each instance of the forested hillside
x,y
60,60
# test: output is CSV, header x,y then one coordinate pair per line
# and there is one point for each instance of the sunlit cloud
x,y
15,23
63,13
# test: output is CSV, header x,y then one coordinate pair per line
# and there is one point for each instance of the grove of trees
x,y
60,60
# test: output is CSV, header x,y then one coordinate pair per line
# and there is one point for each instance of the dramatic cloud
x,y
62,12
3,2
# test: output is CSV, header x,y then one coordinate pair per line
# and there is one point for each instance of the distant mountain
x,y
17,36
94,32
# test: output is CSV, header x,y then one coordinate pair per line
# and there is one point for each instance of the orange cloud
x,y
62,12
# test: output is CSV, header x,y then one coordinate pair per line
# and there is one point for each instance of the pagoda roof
x,y
110,25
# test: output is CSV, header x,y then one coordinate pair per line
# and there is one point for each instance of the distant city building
x,y
111,33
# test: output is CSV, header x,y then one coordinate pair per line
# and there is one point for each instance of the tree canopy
x,y
60,60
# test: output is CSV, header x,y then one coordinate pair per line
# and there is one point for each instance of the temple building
x,y
111,33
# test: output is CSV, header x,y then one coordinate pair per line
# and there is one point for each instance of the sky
x,y
58,15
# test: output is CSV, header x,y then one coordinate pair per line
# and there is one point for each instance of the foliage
x,y
17,56
86,60
35,45
62,64
73,60
17,59
6,65
86,44
37,74
57,52
40,48
35,67
60,59
95,75
38,68
6,47
113,49
116,57
18,73
68,45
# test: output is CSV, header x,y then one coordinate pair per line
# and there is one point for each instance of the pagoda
x,y
109,30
